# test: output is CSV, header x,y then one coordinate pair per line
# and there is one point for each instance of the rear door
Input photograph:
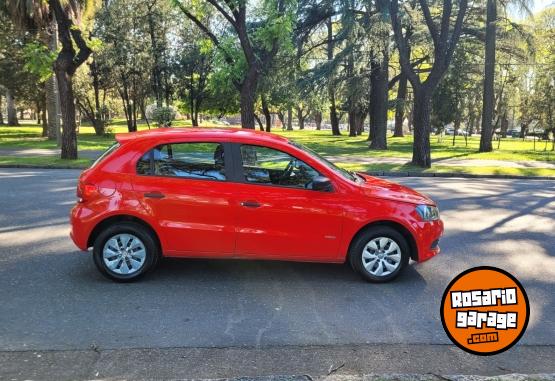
x,y
184,186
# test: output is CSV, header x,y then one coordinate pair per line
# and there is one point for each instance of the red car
x,y
235,193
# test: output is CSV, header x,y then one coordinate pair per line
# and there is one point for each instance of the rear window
x,y
194,160
106,153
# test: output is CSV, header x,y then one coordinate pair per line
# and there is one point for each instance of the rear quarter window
x,y
106,153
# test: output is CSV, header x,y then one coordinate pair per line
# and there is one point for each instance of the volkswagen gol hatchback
x,y
234,193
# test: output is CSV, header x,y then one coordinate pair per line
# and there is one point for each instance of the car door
x,y
184,187
278,214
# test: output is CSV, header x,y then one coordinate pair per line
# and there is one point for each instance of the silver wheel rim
x,y
381,256
124,254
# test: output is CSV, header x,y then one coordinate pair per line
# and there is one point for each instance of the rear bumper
x,y
430,233
80,229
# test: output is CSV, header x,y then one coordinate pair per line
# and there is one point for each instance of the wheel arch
x,y
121,218
394,225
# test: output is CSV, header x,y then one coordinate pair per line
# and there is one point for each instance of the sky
x,y
542,4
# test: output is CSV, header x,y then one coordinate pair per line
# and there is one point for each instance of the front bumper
x,y
428,239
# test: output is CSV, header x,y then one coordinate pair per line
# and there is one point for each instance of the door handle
x,y
154,195
251,204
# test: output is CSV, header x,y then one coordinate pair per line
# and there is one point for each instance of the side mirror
x,y
321,184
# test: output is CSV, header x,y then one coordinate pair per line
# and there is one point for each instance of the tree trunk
x,y
11,110
1,114
65,89
267,115
289,118
248,97
410,119
334,121
489,77
50,90
300,118
378,102
281,118
361,117
351,117
504,125
379,85
456,127
260,125
43,118
156,72
38,108
318,120
421,119
400,106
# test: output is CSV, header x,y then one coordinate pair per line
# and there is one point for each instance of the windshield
x,y
342,172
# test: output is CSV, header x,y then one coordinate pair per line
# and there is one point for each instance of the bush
x,y
163,116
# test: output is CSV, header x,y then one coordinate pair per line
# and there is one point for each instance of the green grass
x,y
502,171
510,148
47,161
28,136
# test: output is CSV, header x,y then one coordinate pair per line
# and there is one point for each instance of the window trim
x,y
227,162
237,158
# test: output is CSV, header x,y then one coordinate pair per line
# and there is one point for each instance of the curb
x,y
435,377
371,173
455,174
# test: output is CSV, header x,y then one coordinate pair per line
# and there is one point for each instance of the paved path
x,y
53,298
29,152
453,162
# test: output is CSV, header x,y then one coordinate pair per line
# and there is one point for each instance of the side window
x,y
190,160
263,165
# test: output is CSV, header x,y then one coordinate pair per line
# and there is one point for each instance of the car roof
x,y
226,134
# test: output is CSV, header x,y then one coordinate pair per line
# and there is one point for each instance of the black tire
x,y
145,235
360,242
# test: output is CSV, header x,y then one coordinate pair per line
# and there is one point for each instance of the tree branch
x,y
404,54
228,58
429,21
224,13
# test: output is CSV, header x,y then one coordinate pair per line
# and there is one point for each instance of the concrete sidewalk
x,y
305,363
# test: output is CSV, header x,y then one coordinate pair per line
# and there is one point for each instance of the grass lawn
x,y
28,136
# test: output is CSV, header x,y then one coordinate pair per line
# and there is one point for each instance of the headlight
x,y
427,212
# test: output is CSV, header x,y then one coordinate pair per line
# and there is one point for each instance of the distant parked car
x,y
515,133
449,131
232,193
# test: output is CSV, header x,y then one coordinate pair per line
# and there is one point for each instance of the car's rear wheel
x,y
379,254
125,251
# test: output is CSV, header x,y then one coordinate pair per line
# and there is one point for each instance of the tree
x,y
125,56
194,65
489,77
259,42
66,64
444,40
379,80
19,84
32,14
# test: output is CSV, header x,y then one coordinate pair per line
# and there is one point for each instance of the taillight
x,y
86,191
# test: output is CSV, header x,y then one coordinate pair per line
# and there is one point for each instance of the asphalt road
x,y
53,298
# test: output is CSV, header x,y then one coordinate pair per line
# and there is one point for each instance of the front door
x,y
184,186
278,214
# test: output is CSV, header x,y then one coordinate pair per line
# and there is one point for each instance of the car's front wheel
x,y
125,251
379,254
